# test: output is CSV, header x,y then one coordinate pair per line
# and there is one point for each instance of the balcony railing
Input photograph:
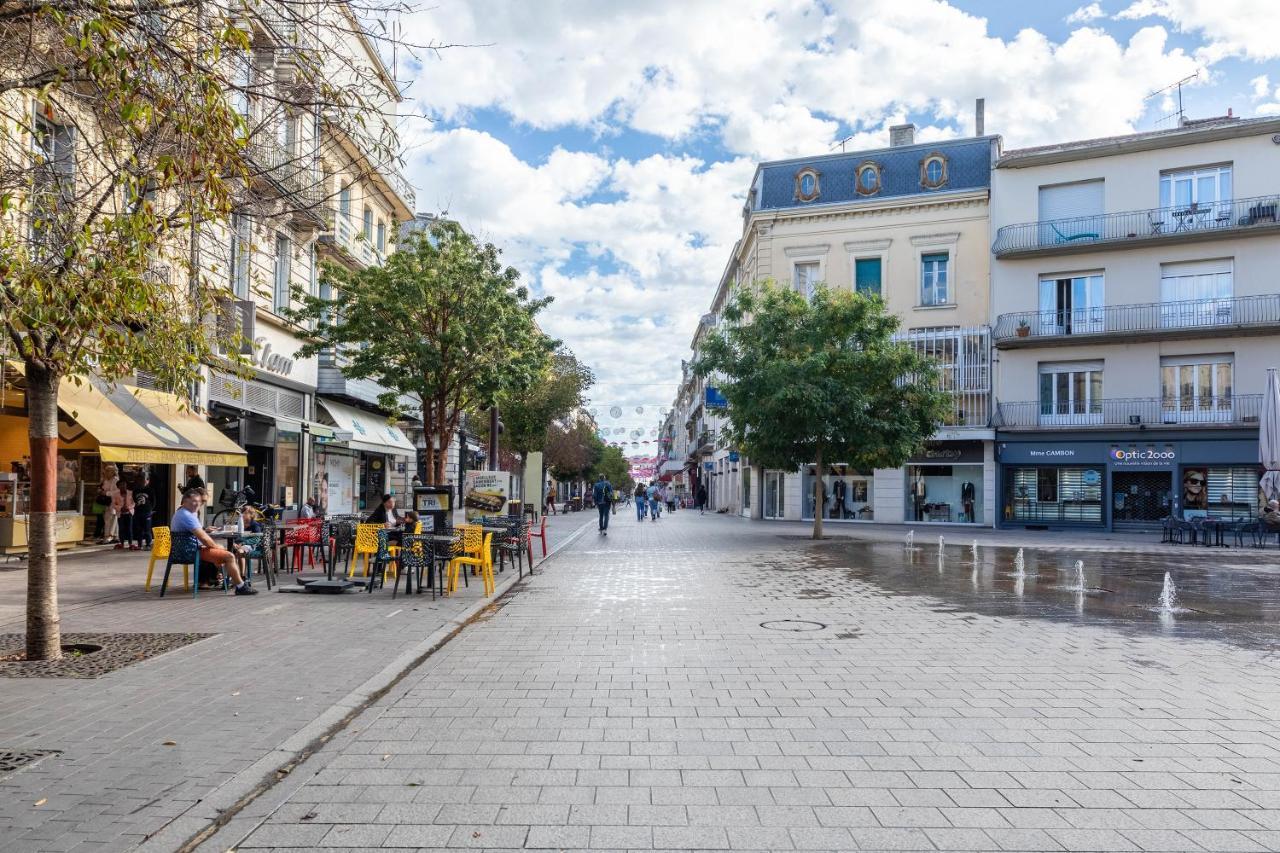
x,y
1152,319
1187,221
1232,410
401,186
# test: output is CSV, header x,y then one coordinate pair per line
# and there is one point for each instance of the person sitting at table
x,y
311,509
187,521
251,521
410,521
385,513
1271,516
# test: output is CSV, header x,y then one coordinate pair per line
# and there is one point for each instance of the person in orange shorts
x,y
186,521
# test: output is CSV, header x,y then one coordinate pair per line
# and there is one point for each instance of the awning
x,y
144,426
672,465
361,430
316,428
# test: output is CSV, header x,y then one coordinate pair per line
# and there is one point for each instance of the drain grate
x,y
13,760
792,625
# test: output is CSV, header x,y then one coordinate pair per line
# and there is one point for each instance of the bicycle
x,y
233,503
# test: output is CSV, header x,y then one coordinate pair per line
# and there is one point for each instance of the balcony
x,y
1199,318
1137,412
400,185
1244,217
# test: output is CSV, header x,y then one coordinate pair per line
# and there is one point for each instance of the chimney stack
x,y
979,117
902,134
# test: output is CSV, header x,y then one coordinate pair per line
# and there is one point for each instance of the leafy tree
x,y
555,393
819,381
616,469
573,448
441,321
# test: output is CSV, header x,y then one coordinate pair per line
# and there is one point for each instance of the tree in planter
x,y
130,137
820,380
441,322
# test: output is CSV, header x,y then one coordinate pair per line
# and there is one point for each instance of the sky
x,y
607,145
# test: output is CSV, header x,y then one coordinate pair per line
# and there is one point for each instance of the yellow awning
x,y
145,426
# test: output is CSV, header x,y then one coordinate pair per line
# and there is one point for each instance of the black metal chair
x,y
416,557
260,548
340,542
381,560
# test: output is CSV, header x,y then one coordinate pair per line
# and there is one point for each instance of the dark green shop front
x,y
1115,481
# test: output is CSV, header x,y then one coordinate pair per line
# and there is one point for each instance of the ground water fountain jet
x,y
1168,597
1079,584
911,538
974,549
1019,565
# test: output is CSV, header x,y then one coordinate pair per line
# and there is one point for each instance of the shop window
x,y
1220,491
950,493
1054,494
1196,389
846,494
1071,393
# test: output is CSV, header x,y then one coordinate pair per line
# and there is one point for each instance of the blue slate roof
x,y
968,168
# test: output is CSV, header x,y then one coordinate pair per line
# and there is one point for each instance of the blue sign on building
x,y
733,456
715,400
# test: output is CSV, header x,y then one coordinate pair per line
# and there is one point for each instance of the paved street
x,y
157,747
633,697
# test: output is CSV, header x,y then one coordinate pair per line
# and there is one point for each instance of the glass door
x,y
774,502
1071,305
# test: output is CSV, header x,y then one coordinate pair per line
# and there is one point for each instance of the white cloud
x,y
1261,87
1247,28
1085,14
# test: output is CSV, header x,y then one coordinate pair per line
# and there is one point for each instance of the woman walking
x,y
641,504
122,504
143,505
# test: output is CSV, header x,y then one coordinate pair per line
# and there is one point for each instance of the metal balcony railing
x,y
1159,223
402,186
1150,319
1230,410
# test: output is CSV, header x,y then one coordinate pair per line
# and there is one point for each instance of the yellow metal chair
x,y
160,546
473,549
366,547
417,529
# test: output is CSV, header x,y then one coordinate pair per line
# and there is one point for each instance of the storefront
x,y
1118,481
848,495
104,431
944,483
368,455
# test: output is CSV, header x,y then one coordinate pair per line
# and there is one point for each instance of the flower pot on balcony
x,y
1023,330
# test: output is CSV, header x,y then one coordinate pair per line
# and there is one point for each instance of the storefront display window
x,y
1220,491
287,456
1054,494
334,481
847,494
949,493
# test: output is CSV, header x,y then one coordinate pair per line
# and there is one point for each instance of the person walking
x,y
641,503
122,504
655,508
701,499
669,495
551,501
144,501
602,497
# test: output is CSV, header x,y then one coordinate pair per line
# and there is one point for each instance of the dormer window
x,y
933,171
867,178
807,188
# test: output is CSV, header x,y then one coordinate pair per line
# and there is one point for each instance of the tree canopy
x,y
820,380
442,321
573,448
615,468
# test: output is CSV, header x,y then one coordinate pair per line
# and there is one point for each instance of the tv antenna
x,y
841,142
1176,86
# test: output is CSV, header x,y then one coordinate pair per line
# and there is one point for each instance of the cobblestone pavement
x,y
630,698
145,745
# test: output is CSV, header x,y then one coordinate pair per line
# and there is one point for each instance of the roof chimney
x,y
980,117
902,134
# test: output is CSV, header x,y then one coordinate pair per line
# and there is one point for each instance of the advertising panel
x,y
486,493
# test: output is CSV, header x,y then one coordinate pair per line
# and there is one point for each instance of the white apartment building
x,y
1136,311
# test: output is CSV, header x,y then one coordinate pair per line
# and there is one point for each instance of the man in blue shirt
x,y
186,522
602,495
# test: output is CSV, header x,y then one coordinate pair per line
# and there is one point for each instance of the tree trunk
x,y
818,498
43,636
442,456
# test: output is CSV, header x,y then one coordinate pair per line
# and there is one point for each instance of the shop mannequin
x,y
967,495
838,490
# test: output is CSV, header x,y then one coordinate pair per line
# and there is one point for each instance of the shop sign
x,y
714,399
265,358
1091,477
710,466
1147,457
733,456
486,493
949,453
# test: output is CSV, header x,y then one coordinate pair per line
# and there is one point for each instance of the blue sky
x,y
607,146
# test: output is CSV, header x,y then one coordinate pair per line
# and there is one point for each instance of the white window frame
x,y
282,273
1086,411
797,255
241,251
936,244
1214,307
1078,321
867,250
1214,404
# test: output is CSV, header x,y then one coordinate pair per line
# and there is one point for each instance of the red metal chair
x,y
541,534
304,535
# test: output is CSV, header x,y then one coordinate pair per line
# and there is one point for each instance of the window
x,y
282,273
806,277
1196,389
1071,305
54,150
382,236
344,200
367,228
866,275
241,254
933,171
807,188
1071,393
1203,187
1196,294
867,180
1066,494
287,134
934,286
313,276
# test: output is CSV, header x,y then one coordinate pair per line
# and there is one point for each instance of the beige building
x,y
1136,311
909,223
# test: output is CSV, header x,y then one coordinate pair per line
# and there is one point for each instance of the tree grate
x,y
90,655
13,760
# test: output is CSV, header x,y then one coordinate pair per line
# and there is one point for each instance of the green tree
x,y
555,393
820,380
573,448
441,321
616,469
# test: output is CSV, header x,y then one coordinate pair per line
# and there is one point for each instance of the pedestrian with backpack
x,y
602,495
641,503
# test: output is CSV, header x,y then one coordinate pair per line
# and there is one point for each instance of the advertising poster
x,y
486,493
1195,504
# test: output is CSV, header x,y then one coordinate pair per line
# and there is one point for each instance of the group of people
x,y
123,510
650,499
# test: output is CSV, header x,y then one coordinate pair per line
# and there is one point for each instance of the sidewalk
x,y
280,669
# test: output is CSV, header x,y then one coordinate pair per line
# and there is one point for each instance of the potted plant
x,y
1024,328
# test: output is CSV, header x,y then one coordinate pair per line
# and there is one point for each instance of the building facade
x,y
908,223
1136,311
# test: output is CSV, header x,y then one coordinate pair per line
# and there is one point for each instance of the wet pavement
x,y
1224,594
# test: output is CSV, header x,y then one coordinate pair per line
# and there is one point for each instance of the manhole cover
x,y
792,625
16,759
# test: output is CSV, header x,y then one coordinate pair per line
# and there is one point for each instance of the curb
x,y
226,811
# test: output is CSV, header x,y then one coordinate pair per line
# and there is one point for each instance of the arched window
x,y
933,171
807,186
867,180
